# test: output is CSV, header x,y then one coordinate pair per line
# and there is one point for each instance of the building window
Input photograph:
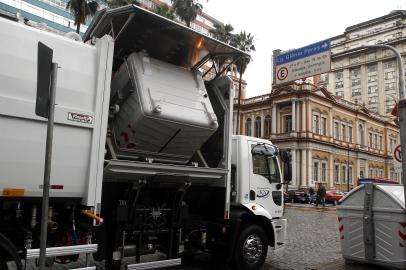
x,y
370,140
257,131
350,174
248,126
356,92
349,137
388,64
372,68
267,126
323,171
316,124
343,174
372,78
336,131
337,173
380,142
389,75
371,173
324,125
375,141
343,129
372,89
392,175
361,138
316,171
287,123
390,86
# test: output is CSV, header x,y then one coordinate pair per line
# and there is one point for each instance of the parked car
x,y
298,196
334,196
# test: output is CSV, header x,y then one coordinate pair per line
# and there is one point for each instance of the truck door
x,y
265,178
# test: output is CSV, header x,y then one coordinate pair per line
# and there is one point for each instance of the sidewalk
x,y
310,207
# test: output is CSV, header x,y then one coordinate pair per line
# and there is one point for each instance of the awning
x,y
136,29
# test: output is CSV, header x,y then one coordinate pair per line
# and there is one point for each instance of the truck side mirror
x,y
287,172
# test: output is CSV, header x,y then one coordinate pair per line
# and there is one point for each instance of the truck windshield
x,y
259,165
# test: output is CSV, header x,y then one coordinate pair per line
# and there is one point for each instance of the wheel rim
x,y
252,249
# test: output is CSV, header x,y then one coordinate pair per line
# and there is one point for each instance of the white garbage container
x,y
372,225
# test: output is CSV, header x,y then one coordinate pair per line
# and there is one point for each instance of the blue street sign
x,y
309,50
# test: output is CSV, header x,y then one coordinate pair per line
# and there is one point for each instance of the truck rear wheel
x,y
251,249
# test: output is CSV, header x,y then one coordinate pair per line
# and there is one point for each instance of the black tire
x,y
3,264
249,234
335,202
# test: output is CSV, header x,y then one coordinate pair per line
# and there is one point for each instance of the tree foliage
x,y
165,11
81,10
187,10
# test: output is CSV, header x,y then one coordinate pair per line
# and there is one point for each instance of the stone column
x,y
274,117
304,169
309,117
262,124
294,176
303,116
331,180
309,167
294,129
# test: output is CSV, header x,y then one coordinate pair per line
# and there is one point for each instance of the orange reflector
x,y
13,192
254,207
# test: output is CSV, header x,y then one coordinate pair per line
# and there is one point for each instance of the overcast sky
x,y
288,24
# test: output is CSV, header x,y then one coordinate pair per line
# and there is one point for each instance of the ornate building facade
x,y
331,140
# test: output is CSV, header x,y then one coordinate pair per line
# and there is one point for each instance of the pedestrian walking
x,y
311,195
321,195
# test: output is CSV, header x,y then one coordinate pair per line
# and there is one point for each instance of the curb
x,y
311,208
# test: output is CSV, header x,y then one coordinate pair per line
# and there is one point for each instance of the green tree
x,y
223,32
81,10
120,3
244,42
187,10
165,11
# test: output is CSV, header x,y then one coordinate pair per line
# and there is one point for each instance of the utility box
x,y
372,225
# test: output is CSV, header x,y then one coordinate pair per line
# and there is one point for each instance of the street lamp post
x,y
401,106
402,101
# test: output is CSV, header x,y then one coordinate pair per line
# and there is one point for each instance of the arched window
x,y
257,130
248,130
267,126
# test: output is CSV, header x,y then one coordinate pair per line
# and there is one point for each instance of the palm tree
x,y
165,11
81,10
244,42
187,10
222,32
120,3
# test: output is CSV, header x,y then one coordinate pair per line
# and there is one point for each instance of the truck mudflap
x,y
279,227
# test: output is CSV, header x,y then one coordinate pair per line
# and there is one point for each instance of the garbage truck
x,y
144,161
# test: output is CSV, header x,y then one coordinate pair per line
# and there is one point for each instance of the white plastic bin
x,y
372,225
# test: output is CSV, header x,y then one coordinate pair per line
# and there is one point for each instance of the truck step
x,y
154,265
62,251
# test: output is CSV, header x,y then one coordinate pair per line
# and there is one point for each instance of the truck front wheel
x,y
251,249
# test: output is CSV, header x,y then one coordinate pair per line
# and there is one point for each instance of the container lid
x,y
385,197
136,29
